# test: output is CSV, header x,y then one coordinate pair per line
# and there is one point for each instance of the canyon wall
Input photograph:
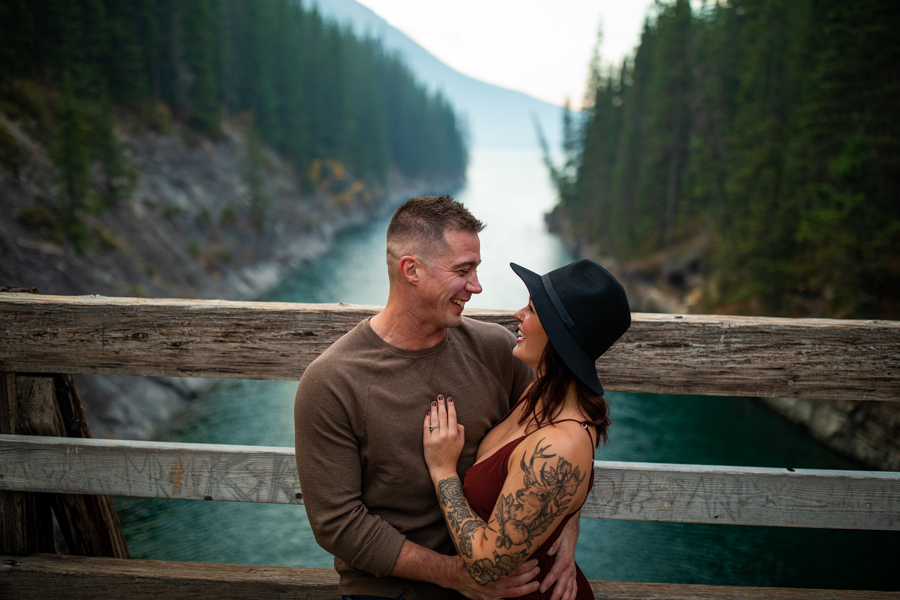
x,y
195,225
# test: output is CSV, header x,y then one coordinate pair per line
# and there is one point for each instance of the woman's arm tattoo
x,y
545,497
463,522
520,518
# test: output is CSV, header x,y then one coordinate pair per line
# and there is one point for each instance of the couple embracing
x,y
441,456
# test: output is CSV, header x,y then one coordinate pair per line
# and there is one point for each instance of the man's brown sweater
x,y
358,421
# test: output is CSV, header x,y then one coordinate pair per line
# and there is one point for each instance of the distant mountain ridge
x,y
496,117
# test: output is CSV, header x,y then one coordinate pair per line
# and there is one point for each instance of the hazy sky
x,y
540,47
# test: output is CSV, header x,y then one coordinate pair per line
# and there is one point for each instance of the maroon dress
x,y
484,483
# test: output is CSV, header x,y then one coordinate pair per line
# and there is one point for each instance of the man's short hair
x,y
417,228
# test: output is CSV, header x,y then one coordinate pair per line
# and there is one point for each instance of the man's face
x,y
448,281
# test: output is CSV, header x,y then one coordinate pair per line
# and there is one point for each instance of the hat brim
x,y
584,368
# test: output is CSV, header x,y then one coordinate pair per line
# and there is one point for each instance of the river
x,y
509,190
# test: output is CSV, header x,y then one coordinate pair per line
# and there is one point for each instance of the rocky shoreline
x,y
186,232
672,282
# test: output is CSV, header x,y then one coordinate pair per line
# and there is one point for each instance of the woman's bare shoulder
x,y
563,445
566,435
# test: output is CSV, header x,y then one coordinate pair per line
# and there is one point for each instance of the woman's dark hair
x,y
553,386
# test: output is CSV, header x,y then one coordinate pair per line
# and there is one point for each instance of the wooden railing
x,y
686,354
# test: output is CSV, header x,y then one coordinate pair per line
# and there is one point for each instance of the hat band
x,y
563,314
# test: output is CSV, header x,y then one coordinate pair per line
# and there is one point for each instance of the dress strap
x,y
584,425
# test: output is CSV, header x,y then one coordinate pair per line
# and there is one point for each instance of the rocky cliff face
x,y
671,282
191,229
868,432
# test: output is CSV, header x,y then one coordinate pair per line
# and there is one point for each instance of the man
x,y
359,409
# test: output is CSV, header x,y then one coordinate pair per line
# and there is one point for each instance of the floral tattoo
x,y
519,519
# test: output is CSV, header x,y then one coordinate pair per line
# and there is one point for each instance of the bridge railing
x,y
672,354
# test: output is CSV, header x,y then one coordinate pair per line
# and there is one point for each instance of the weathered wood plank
x,y
15,507
631,491
26,525
149,469
77,578
38,410
9,411
627,590
670,354
49,406
80,578
89,522
745,495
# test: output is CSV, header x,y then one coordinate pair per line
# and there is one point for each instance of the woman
x,y
534,468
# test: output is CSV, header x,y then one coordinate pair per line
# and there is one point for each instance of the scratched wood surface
x,y
49,406
45,576
669,354
631,491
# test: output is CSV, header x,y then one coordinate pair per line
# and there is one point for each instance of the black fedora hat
x,y
583,309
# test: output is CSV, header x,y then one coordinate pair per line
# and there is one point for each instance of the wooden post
x,y
89,523
49,405
26,524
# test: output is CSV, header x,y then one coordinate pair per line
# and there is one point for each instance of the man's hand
x,y
520,582
563,570
422,564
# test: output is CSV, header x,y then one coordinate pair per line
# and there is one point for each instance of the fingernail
x,y
449,399
440,396
434,403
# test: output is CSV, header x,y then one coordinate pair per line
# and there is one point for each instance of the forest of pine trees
x,y
314,91
772,127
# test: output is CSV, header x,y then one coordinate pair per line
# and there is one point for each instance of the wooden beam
x,y
78,578
13,512
26,522
49,406
88,522
630,491
81,578
667,354
149,469
38,410
745,495
627,590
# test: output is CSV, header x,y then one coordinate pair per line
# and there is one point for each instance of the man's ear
x,y
410,269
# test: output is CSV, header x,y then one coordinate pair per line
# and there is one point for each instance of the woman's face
x,y
531,336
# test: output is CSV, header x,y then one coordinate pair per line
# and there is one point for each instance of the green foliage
x,y
74,229
768,126
119,176
63,224
172,210
11,154
315,90
106,239
42,222
228,216
565,176
199,32
254,178
70,150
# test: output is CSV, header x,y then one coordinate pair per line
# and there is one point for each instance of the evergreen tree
x,y
316,93
770,127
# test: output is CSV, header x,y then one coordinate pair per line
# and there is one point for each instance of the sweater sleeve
x,y
328,463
